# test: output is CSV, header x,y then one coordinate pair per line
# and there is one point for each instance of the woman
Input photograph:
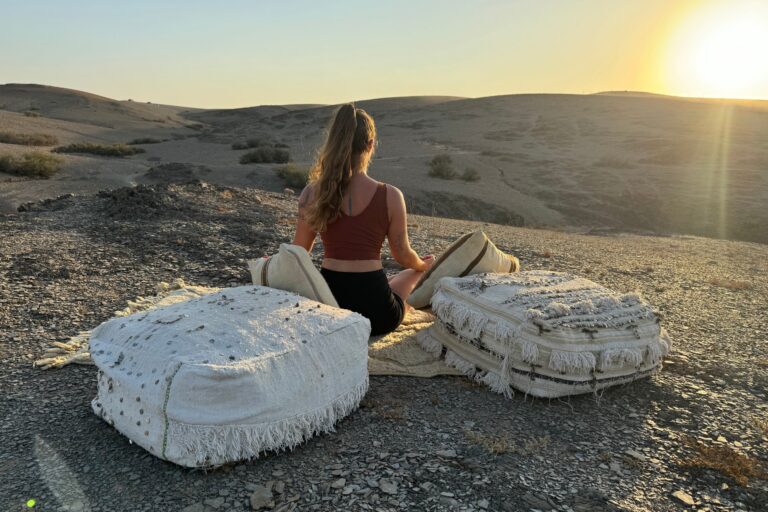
x,y
354,214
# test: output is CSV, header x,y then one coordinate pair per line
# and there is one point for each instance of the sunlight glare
x,y
721,52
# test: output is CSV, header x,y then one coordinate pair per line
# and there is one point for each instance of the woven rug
x,y
397,353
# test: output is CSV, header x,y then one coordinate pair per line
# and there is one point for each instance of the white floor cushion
x,y
473,253
229,375
292,269
546,333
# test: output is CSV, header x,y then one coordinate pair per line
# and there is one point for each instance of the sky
x,y
234,53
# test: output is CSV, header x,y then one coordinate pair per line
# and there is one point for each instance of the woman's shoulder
x,y
392,191
306,195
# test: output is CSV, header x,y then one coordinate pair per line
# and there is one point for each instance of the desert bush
x,y
470,174
145,140
441,166
614,162
28,139
265,155
29,113
99,149
35,164
257,142
294,176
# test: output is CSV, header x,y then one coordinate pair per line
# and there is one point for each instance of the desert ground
x,y
610,161
695,433
663,196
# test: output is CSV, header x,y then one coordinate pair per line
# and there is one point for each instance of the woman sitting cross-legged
x,y
354,214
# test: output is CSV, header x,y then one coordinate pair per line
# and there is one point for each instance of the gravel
x,y
415,444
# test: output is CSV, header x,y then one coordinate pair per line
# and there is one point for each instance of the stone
x,y
683,497
195,507
447,454
387,486
338,484
215,503
635,455
261,498
483,504
279,487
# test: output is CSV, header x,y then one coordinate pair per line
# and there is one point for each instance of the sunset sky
x,y
239,53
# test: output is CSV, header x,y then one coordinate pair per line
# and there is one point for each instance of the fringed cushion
x,y
473,253
292,269
545,333
229,375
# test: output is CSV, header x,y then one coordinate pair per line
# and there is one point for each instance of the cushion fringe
x,y
226,443
572,362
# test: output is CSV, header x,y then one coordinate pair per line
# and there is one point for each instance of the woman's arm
x,y
305,235
399,244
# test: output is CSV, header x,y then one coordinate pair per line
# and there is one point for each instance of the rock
x,y
387,486
195,507
279,487
483,504
215,503
635,455
261,498
683,497
338,484
447,454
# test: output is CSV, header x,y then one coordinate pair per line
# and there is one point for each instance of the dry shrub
x,y
34,164
731,284
441,166
265,155
614,162
546,254
533,446
146,140
387,409
495,445
294,176
118,150
725,459
470,174
28,139
761,424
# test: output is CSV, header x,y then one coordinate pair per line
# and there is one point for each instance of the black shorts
x,y
369,294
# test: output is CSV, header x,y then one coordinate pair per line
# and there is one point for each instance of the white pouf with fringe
x,y
229,375
548,334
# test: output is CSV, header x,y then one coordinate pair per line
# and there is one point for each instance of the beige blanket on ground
x,y
397,353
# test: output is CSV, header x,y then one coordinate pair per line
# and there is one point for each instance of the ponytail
x,y
350,133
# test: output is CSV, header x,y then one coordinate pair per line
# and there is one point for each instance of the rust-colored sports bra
x,y
360,236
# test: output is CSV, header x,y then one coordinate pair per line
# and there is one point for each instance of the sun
x,y
721,51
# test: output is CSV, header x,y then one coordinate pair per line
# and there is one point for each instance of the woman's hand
x,y
427,262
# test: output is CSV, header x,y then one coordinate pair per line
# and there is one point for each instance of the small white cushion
x,y
292,269
473,253
229,375
546,333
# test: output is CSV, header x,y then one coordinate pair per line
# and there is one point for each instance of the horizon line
x,y
457,98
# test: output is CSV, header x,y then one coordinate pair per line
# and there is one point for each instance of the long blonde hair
x,y
344,152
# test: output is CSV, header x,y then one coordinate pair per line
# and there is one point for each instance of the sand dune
x,y
615,160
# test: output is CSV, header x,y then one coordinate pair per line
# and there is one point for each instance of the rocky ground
x,y
693,436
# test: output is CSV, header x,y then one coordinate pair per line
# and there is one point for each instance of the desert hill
x,y
621,161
